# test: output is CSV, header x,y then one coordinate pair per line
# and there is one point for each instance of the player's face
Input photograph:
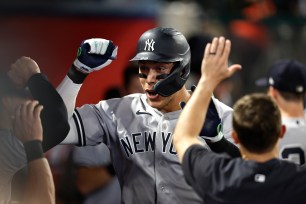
x,y
150,71
10,103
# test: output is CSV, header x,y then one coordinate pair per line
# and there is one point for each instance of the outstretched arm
x,y
26,73
27,127
214,70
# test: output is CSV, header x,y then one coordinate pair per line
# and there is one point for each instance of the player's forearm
x,y
39,186
69,90
192,118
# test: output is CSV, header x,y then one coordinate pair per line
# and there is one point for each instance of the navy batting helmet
x,y
166,45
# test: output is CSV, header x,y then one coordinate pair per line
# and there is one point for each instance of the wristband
x,y
76,76
33,150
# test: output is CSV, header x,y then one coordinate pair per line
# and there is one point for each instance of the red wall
x,y
53,41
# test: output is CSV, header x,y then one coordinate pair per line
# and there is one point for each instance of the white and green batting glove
x,y
94,54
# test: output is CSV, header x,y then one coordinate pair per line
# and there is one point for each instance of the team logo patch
x,y
149,45
260,178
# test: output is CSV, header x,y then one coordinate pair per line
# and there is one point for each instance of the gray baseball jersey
x,y
12,159
140,142
293,144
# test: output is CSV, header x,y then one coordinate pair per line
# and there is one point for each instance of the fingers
x,y
221,45
37,111
28,109
31,107
227,49
207,49
234,68
214,46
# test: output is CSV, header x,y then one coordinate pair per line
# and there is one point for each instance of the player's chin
x,y
155,103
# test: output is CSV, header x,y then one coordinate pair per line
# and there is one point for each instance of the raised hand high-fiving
x,y
215,62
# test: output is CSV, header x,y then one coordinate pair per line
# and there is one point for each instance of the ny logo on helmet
x,y
149,45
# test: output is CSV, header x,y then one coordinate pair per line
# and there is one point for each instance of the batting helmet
x,y
166,45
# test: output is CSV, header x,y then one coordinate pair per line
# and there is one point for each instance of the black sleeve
x,y
196,163
206,171
54,116
224,146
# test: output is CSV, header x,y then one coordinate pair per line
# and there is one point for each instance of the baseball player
x,y
257,178
286,82
138,128
13,92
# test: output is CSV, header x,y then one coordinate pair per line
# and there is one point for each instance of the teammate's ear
x,y
283,131
235,137
273,92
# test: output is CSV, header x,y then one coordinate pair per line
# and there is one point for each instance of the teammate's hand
x,y
94,54
27,124
22,70
215,62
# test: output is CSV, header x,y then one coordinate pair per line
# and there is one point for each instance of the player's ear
x,y
235,137
283,131
273,92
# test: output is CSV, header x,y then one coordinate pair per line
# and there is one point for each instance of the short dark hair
x,y
292,97
257,122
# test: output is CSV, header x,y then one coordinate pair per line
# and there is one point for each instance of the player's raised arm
x,y
214,70
26,73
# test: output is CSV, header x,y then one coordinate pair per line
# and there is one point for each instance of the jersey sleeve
x,y
91,125
205,170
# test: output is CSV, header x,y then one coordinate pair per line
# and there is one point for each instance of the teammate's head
x,y
286,78
165,45
257,123
10,95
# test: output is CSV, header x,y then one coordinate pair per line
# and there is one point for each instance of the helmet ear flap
x,y
174,82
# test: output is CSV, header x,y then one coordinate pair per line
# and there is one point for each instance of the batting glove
x,y
94,54
212,126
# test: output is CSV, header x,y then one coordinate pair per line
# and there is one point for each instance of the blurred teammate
x,y
13,92
286,82
39,186
257,178
138,128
